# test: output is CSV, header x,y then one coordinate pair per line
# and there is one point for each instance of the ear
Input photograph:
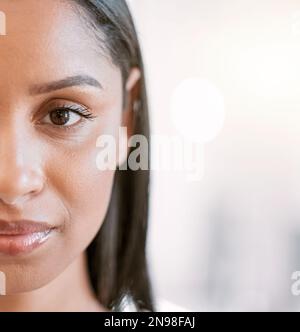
x,y
131,95
132,91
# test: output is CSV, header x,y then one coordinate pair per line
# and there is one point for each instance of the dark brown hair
x,y
117,256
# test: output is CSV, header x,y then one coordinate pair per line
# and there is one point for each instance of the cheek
x,y
85,193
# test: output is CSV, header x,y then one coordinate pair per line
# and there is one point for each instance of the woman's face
x,y
48,172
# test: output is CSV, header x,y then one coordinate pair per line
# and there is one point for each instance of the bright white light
x,y
198,110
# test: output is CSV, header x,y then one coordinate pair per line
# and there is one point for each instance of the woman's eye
x,y
63,117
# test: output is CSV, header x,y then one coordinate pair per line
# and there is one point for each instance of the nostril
x,y
21,189
14,201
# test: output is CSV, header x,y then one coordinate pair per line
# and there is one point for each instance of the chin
x,y
29,276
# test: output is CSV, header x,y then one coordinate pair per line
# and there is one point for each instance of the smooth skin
x,y
48,60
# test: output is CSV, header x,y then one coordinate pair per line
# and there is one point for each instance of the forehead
x,y
47,40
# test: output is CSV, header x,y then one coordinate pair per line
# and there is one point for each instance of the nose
x,y
21,177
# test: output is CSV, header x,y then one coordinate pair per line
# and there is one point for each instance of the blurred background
x,y
223,78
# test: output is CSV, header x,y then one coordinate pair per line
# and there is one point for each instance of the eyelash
x,y
83,111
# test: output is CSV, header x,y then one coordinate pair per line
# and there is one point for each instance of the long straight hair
x,y
117,255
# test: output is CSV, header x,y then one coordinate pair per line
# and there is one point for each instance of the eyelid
x,y
53,105
61,104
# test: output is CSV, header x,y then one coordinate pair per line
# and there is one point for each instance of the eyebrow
x,y
79,80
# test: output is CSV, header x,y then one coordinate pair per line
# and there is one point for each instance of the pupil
x,y
60,117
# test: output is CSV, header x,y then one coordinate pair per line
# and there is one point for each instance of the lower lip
x,y
14,245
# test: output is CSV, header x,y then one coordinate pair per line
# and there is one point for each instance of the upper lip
x,y
23,227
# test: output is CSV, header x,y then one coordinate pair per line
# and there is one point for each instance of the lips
x,y
23,236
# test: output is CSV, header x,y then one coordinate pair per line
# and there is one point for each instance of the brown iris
x,y
60,117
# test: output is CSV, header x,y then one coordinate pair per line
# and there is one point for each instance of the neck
x,y
71,291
